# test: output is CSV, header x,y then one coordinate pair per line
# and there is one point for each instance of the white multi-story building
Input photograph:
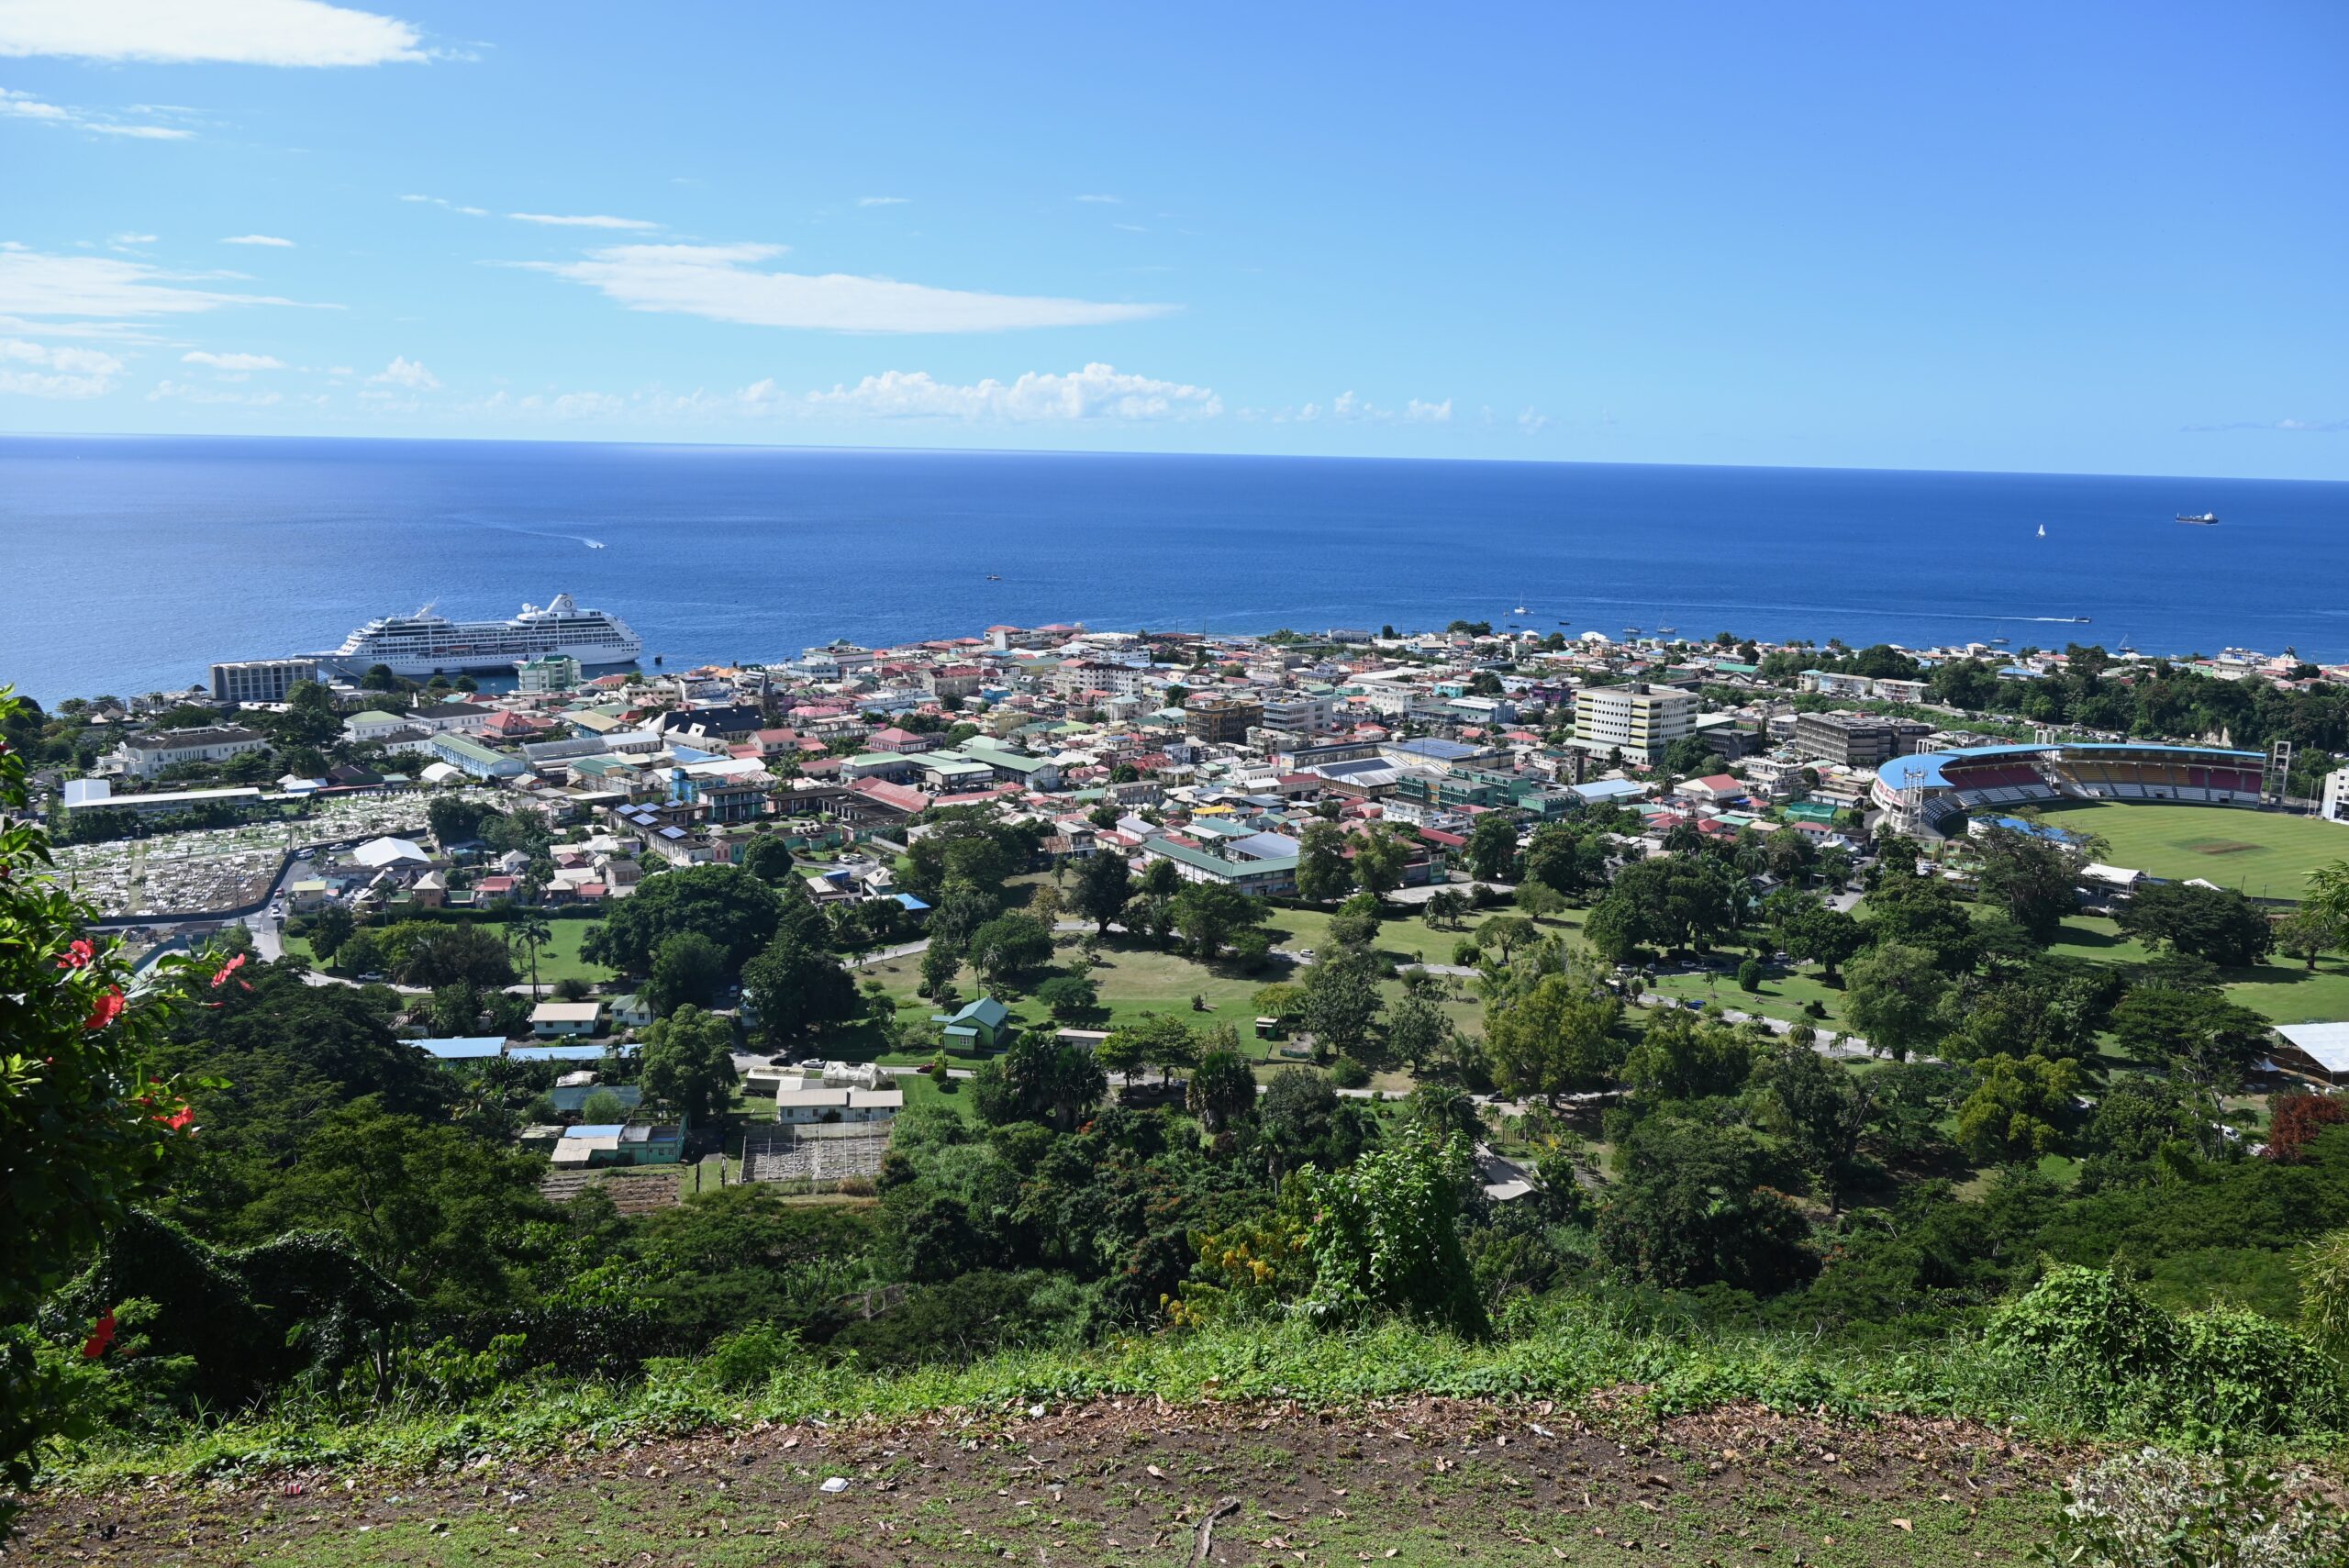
x,y
1639,720
260,680
146,756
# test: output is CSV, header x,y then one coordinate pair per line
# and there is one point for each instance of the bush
x,y
1348,1073
1749,976
752,1357
2152,1509
2123,1361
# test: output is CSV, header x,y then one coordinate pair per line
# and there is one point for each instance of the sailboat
x,y
2042,530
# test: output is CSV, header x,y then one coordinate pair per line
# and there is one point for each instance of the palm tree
x,y
532,930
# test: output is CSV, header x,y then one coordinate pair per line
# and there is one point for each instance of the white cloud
x,y
1106,201
245,32
27,106
1532,421
185,392
1348,406
233,362
1096,392
594,220
120,240
881,201
259,240
405,374
717,281
1131,227
36,284
452,206
55,372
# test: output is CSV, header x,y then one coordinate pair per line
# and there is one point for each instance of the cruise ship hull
x,y
425,644
454,662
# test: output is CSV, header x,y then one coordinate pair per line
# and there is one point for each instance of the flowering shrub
x,y
83,1128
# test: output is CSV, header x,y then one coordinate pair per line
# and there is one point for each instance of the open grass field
x,y
2267,854
559,960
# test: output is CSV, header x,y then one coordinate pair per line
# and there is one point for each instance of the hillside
x,y
1418,1480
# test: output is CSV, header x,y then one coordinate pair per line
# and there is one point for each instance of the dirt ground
x,y
1422,1481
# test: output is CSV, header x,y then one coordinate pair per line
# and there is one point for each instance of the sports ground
x,y
2267,854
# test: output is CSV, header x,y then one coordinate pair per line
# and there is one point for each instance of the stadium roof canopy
x,y
1929,764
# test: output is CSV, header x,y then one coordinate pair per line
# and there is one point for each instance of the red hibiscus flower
x,y
107,1009
179,1118
78,956
100,1337
220,976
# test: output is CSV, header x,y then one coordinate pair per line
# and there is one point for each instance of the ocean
x,y
133,562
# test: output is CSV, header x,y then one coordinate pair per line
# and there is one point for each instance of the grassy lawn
x,y
559,960
1783,993
2283,992
2267,854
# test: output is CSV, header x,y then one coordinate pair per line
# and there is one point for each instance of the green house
x,y
975,1026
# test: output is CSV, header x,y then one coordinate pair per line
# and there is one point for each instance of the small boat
x,y
656,659
2042,530
2199,519
1519,611
993,578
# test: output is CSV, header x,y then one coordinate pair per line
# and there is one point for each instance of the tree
x,y
434,953
1569,859
1446,908
532,931
940,965
1538,900
1697,1204
1384,1237
329,929
1102,885
2294,1120
1788,854
1680,1057
1323,872
1419,1033
1342,1003
1010,947
769,859
2031,876
1040,1079
1492,848
83,1132
1893,996
1555,1039
456,1008
725,903
2218,925
360,954
1301,1121
1380,858
688,969
1813,933
1221,1088
1506,934
689,1063
1672,901
2304,934
1207,912
2021,1110
2202,1035
1120,1052
2327,900
1819,1107
1069,996
797,986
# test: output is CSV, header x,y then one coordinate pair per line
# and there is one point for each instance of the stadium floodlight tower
x,y
1911,813
2277,778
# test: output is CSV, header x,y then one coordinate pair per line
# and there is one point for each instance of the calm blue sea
x,y
133,562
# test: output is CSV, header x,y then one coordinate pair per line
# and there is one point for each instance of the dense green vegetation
x,y
2037,1202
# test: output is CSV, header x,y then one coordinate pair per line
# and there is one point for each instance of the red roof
x,y
904,797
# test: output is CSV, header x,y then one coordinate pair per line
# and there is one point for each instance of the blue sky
x,y
2098,238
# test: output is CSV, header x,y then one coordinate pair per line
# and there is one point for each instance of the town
x,y
1038,985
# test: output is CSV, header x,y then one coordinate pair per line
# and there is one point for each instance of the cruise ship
x,y
428,644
